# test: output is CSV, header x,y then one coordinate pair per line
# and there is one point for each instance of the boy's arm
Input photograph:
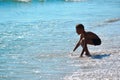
x,y
77,45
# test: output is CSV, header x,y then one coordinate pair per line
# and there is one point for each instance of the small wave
x,y
106,22
112,20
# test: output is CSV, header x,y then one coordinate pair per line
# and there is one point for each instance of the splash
x,y
16,1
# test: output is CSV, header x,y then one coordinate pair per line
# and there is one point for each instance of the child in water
x,y
86,38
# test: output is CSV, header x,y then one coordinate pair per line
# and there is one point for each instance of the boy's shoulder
x,y
90,33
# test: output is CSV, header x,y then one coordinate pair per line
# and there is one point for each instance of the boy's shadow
x,y
100,56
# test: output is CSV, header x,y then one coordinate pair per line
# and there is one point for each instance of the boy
x,y
86,38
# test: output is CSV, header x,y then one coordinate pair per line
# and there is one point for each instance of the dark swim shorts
x,y
96,41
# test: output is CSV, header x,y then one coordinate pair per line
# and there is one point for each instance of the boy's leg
x,y
83,45
82,52
85,48
87,51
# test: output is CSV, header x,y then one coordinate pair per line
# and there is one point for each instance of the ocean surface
x,y
37,36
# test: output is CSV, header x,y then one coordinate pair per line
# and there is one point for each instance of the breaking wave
x,y
39,0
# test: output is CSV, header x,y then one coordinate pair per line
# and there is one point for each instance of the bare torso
x,y
91,38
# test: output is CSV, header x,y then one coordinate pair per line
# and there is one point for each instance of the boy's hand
x,y
71,53
74,50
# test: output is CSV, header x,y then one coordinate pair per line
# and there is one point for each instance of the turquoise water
x,y
36,37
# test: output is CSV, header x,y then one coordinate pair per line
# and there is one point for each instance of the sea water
x,y
37,36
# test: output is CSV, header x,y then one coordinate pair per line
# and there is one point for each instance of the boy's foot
x,y
80,56
88,55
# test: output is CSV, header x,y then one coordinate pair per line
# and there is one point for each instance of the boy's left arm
x,y
77,45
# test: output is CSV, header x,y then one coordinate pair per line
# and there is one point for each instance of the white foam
x,y
24,0
106,68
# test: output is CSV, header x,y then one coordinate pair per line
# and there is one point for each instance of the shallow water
x,y
36,38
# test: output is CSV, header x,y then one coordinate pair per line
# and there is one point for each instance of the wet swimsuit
x,y
96,41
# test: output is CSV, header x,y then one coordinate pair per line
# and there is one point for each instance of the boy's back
x,y
92,38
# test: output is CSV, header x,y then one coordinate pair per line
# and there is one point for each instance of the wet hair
x,y
79,26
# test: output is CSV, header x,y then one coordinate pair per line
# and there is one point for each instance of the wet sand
x,y
105,66
105,61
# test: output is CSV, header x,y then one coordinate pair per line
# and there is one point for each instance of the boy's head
x,y
79,29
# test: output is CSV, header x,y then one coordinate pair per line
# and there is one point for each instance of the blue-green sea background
x,y
36,37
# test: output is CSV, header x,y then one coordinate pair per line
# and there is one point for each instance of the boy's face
x,y
79,31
